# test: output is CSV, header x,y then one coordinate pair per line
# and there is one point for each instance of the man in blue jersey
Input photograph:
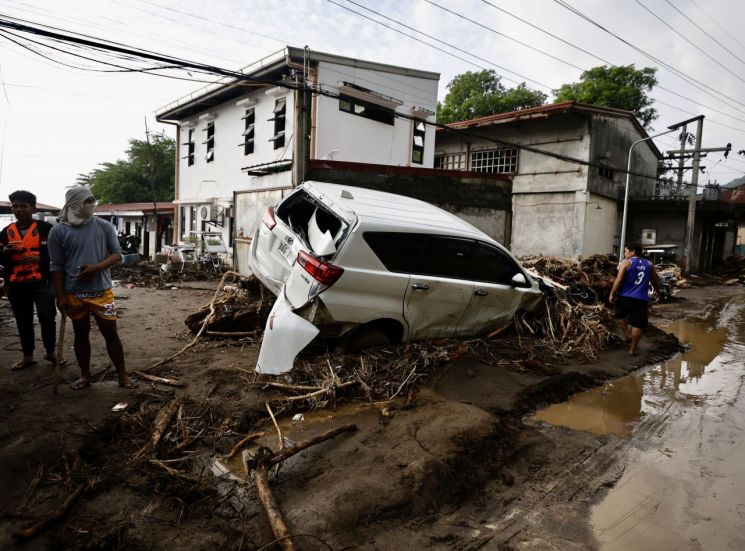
x,y
630,294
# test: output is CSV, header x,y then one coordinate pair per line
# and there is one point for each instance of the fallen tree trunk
x,y
271,508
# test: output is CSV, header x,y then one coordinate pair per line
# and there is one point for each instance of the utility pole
x,y
681,161
301,146
697,153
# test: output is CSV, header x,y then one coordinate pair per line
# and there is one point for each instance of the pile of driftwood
x,y
596,272
148,274
239,310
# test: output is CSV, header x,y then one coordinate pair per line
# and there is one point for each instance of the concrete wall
x,y
601,222
483,202
347,137
548,224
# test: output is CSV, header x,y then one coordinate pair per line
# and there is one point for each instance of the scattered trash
x,y
297,418
121,406
130,285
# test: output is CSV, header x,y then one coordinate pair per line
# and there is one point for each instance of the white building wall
x,y
601,221
347,137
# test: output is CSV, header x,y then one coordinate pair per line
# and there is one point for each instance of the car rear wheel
x,y
364,338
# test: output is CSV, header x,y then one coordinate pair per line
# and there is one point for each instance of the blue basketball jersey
x,y
636,281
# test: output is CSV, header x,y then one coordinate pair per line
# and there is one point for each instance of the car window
x,y
446,257
399,252
493,266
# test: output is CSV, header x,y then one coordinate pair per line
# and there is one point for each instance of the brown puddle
x,y
617,407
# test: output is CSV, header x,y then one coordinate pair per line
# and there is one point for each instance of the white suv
x,y
373,268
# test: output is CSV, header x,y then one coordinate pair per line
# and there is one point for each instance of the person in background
x,y
630,294
82,248
26,277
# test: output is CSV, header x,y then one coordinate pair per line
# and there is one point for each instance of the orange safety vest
x,y
31,243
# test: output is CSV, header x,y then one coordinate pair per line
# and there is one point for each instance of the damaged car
x,y
373,268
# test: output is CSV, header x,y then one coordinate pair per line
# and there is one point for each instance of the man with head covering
x,y
25,259
82,248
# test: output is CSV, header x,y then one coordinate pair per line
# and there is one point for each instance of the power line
x,y
438,48
692,22
676,71
681,35
107,46
716,23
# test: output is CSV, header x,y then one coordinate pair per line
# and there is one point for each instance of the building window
x,y
417,146
452,161
605,172
248,131
501,161
189,148
210,142
280,112
182,221
361,108
193,219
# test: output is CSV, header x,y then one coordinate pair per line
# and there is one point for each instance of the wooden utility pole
x,y
691,222
681,161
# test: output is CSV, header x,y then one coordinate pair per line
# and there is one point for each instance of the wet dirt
x,y
457,469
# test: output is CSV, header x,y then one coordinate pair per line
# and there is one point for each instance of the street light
x,y
628,176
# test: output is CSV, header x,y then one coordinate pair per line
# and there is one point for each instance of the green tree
x,y
128,180
478,94
622,87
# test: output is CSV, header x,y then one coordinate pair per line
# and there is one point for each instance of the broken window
x,y
210,142
365,109
452,161
279,118
300,209
605,172
248,131
189,146
417,147
502,160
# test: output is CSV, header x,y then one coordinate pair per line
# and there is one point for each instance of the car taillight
x,y
320,270
268,219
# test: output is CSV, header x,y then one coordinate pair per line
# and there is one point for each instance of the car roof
x,y
397,212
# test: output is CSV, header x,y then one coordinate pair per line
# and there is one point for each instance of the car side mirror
x,y
518,279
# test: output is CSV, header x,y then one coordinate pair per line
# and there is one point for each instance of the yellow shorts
x,y
99,303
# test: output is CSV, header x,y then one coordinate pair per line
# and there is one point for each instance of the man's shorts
x,y
98,303
633,310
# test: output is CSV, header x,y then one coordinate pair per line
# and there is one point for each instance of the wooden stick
x,y
60,350
276,426
56,514
161,421
32,487
266,384
271,508
201,329
230,333
161,380
300,446
314,394
244,441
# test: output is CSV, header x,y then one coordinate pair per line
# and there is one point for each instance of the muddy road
x,y
461,464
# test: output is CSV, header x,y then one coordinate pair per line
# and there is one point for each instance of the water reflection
x,y
616,407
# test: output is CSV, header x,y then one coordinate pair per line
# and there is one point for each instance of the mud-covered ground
x,y
455,468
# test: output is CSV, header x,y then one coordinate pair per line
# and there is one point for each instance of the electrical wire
x,y
185,64
716,23
441,49
692,22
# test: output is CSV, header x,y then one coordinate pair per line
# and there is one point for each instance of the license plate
x,y
287,251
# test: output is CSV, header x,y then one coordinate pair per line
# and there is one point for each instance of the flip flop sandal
x,y
80,384
132,384
22,365
53,360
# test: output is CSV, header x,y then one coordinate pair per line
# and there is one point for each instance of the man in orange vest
x,y
26,274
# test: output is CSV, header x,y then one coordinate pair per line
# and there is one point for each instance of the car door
x,y
440,289
495,297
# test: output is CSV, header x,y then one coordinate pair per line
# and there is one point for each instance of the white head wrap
x,y
76,212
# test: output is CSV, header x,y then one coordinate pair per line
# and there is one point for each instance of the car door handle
x,y
480,293
420,287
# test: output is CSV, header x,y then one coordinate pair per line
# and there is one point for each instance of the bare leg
x,y
82,345
636,335
624,327
114,348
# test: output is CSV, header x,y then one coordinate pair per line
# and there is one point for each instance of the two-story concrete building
x,y
240,135
559,206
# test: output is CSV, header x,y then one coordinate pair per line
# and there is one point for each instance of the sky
x,y
58,121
